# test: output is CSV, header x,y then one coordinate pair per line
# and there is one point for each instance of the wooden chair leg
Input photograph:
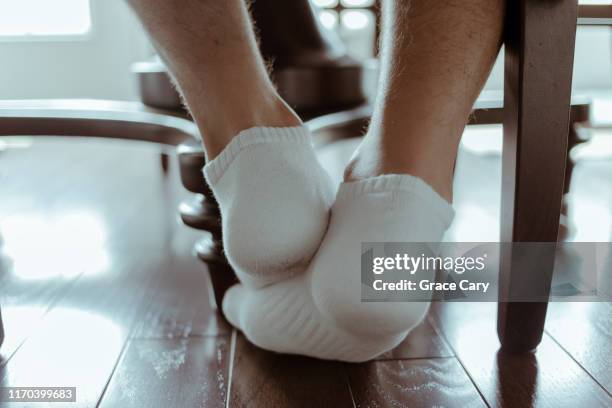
x,y
539,52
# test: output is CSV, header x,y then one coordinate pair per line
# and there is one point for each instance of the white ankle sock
x,y
320,313
274,198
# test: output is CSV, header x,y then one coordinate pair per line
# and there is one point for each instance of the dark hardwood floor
x,y
99,290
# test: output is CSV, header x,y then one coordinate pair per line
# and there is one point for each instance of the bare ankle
x,y
370,161
254,111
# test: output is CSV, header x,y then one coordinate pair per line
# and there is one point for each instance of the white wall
x,y
94,67
592,61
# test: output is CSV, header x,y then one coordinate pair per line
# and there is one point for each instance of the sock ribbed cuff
x,y
349,191
215,169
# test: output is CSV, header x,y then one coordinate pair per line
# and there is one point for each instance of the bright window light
x,y
44,17
355,19
357,3
325,3
329,19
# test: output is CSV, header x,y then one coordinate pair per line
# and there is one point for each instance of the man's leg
x,y
211,50
273,194
437,55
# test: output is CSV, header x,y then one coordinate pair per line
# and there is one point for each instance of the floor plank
x,y
270,380
183,372
24,310
49,234
548,378
82,337
180,304
436,382
584,330
423,341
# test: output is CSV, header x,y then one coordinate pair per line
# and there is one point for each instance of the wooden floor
x,y
99,290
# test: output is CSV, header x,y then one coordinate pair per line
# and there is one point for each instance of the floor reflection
x,y
21,319
35,247
67,331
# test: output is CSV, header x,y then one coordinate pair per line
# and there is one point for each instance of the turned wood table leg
x,y
202,212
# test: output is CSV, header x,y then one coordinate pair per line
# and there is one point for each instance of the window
x,y
30,18
353,20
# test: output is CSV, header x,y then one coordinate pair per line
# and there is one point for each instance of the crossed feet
x,y
296,248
